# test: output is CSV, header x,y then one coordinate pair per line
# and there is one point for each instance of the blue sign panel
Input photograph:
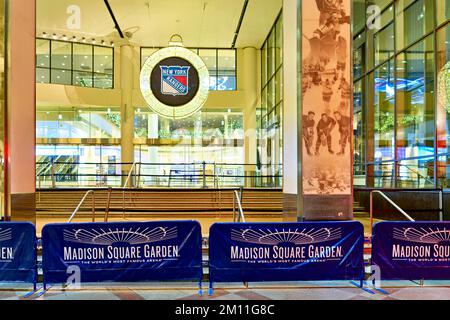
x,y
286,251
130,251
412,250
18,252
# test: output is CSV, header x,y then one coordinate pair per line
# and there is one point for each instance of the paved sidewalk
x,y
174,291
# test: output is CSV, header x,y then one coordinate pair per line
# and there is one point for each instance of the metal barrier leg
x,y
211,289
200,290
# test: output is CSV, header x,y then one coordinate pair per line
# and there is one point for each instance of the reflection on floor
x,y
336,290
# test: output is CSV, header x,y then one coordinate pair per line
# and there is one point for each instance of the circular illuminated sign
x,y
175,82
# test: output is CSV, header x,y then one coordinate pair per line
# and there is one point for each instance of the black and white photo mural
x,y
327,110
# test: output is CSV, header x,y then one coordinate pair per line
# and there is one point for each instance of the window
x,y
414,19
442,10
443,106
67,63
67,122
270,141
384,44
226,73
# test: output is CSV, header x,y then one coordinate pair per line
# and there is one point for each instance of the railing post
x,y
215,180
204,174
93,206
139,175
107,205
53,176
234,206
123,204
371,214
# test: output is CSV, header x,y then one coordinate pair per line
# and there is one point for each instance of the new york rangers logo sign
x,y
175,80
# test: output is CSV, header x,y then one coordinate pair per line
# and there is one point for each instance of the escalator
x,y
59,168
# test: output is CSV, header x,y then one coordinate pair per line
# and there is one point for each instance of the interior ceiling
x,y
201,23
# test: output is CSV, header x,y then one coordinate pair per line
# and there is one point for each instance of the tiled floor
x,y
339,290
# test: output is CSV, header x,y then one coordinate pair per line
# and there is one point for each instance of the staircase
x,y
359,211
160,203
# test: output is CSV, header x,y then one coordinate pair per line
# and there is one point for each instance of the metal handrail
x,y
129,175
237,198
420,175
388,200
108,203
81,203
125,187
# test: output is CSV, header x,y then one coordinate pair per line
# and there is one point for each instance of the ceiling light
x,y
74,38
93,41
83,39
55,36
44,35
64,37
112,44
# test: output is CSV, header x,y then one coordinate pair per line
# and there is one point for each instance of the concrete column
x,y
291,111
127,59
21,111
250,83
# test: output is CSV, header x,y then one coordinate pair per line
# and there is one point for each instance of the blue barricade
x,y
286,251
412,250
130,251
18,261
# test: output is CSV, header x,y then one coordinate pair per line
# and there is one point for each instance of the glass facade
x,y
68,137
400,94
77,64
77,122
221,65
269,115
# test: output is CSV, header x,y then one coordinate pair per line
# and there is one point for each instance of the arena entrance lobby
x,y
224,150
